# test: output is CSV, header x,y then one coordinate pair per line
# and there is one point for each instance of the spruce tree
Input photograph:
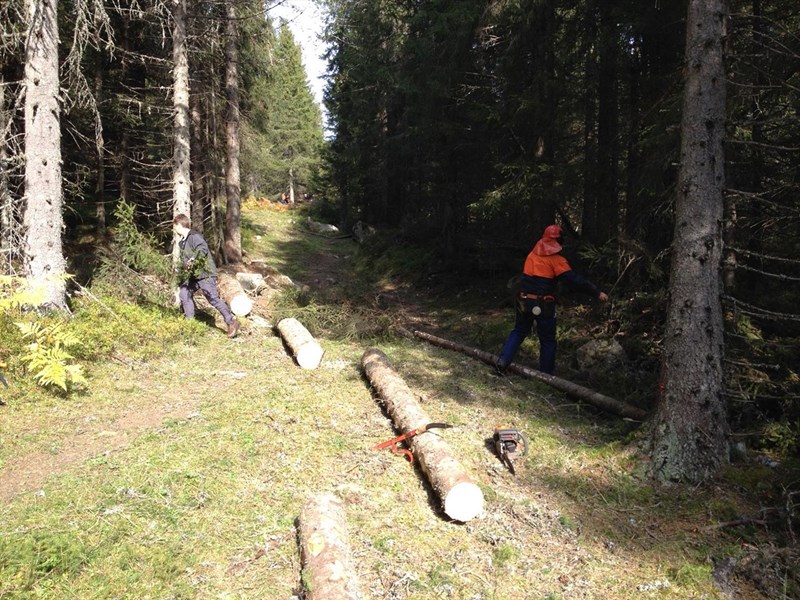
x,y
293,119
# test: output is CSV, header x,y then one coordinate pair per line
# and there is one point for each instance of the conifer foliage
x,y
472,125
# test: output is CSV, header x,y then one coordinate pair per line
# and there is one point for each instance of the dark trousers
x,y
545,331
208,286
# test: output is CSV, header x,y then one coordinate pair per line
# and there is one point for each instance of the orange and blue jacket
x,y
541,275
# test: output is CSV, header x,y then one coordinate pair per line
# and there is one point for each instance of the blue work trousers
x,y
208,286
545,331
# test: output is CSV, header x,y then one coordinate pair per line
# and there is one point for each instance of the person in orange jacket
x,y
536,302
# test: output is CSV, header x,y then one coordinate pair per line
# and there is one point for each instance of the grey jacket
x,y
194,246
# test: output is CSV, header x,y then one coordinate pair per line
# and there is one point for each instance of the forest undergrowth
x,y
179,468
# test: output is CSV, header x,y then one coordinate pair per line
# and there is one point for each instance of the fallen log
x,y
305,349
328,572
595,398
234,295
462,500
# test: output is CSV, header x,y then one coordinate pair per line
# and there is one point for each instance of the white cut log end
x,y
306,350
241,305
463,502
250,281
310,355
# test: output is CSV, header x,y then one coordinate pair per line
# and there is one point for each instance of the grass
x,y
203,502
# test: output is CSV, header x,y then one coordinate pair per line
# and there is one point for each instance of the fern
x,y
46,357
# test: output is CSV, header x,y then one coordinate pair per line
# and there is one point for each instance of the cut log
x,y
235,297
328,572
305,349
317,227
462,500
595,398
251,282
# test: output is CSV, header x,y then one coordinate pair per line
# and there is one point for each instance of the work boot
x,y
233,328
500,367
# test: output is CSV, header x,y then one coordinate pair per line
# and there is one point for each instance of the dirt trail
x,y
29,472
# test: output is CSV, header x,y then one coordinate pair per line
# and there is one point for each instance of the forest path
x,y
196,463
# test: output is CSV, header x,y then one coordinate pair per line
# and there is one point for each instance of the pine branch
x,y
780,276
743,252
755,311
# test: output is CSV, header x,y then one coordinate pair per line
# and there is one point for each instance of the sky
x,y
306,21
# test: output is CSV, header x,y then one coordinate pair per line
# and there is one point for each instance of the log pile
x,y
305,349
462,500
234,295
592,397
328,572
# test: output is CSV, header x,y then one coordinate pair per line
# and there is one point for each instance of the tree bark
x,y
6,206
235,297
181,178
123,156
595,398
607,213
328,571
100,146
199,166
307,352
690,430
45,267
462,500
233,217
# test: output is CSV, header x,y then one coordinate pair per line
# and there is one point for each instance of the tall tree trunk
x,y
99,190
690,430
233,213
181,178
6,207
43,255
607,129
590,190
546,210
200,165
123,157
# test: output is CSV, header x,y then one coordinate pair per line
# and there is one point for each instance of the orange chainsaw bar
x,y
392,443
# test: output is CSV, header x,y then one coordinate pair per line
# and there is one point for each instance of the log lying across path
x,y
328,572
234,295
595,398
462,500
307,352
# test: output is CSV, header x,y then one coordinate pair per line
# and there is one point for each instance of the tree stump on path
x,y
462,500
328,572
231,291
307,352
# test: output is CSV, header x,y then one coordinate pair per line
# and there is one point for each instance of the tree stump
x,y
328,572
235,297
462,500
307,352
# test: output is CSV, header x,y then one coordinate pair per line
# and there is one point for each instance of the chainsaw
x,y
510,444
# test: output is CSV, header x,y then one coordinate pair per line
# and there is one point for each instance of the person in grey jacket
x,y
198,272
